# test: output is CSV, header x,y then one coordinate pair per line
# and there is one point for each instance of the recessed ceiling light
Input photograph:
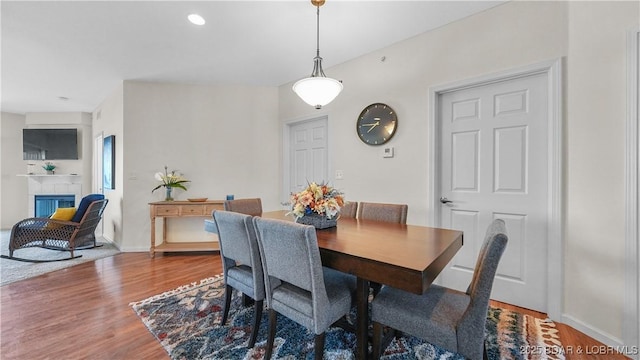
x,y
196,19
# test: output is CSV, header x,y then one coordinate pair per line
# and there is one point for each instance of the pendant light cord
x,y
318,31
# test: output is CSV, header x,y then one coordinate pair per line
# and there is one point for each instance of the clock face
x,y
376,124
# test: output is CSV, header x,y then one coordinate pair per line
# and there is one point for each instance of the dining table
x,y
407,257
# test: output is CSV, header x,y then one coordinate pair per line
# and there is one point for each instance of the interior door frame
x,y
96,182
631,318
552,69
286,151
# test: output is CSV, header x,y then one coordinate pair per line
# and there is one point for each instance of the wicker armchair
x,y
57,234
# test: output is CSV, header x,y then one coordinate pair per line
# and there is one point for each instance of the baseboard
x,y
135,249
593,332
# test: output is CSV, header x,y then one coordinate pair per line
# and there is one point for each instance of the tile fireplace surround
x,y
53,185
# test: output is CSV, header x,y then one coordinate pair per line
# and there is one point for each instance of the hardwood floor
x,y
83,312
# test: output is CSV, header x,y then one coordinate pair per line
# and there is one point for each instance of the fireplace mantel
x,y
47,175
54,177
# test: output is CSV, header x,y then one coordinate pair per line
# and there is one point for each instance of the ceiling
x,y
82,50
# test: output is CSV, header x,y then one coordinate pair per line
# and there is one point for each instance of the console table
x,y
177,209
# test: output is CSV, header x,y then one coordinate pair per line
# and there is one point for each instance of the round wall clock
x,y
376,124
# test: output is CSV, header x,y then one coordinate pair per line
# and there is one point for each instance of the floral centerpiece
x,y
170,181
318,205
49,167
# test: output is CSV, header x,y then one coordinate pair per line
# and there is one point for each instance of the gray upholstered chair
x,y
451,319
242,266
395,213
298,287
245,206
349,210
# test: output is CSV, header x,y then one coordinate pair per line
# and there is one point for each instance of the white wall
x,y
596,107
13,189
108,119
224,139
591,39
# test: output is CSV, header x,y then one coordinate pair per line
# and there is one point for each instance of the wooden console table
x,y
167,209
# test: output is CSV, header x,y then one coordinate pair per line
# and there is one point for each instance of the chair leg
x,y
377,340
257,316
319,346
273,322
228,291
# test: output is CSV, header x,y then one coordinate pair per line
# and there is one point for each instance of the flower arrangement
x,y
170,180
319,199
49,166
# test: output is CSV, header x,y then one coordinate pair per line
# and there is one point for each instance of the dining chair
x,y
297,285
394,213
241,263
451,319
245,206
349,210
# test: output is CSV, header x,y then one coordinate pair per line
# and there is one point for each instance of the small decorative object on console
x,y
317,205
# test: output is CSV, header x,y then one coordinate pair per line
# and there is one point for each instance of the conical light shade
x,y
317,90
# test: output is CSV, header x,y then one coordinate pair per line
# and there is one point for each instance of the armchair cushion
x,y
84,204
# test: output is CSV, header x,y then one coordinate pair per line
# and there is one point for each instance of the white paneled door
x,y
493,164
308,154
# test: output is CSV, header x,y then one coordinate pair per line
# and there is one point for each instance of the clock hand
x,y
374,125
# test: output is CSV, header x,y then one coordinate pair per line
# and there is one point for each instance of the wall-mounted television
x,y
50,144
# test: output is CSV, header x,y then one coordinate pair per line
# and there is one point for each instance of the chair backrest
x,y
291,255
349,210
91,218
245,206
394,213
238,244
84,205
472,323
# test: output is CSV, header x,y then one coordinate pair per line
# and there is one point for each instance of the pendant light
x,y
317,90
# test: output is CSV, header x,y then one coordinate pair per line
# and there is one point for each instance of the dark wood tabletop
x,y
407,257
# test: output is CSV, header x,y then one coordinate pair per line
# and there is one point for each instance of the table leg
x,y
153,237
362,326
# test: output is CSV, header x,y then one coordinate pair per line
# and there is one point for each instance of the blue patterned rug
x,y
186,322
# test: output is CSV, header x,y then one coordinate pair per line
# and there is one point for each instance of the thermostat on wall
x,y
387,152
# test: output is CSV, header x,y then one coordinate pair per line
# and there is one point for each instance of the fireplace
x,y
46,205
53,185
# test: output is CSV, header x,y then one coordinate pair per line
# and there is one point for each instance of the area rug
x,y
186,322
12,270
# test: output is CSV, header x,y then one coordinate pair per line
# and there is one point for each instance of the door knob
x,y
444,200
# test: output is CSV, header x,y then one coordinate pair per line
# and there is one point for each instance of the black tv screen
x,y
50,144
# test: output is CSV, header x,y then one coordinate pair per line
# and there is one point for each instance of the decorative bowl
x,y
197,199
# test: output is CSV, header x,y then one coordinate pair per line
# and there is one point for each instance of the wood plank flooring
x,y
83,312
